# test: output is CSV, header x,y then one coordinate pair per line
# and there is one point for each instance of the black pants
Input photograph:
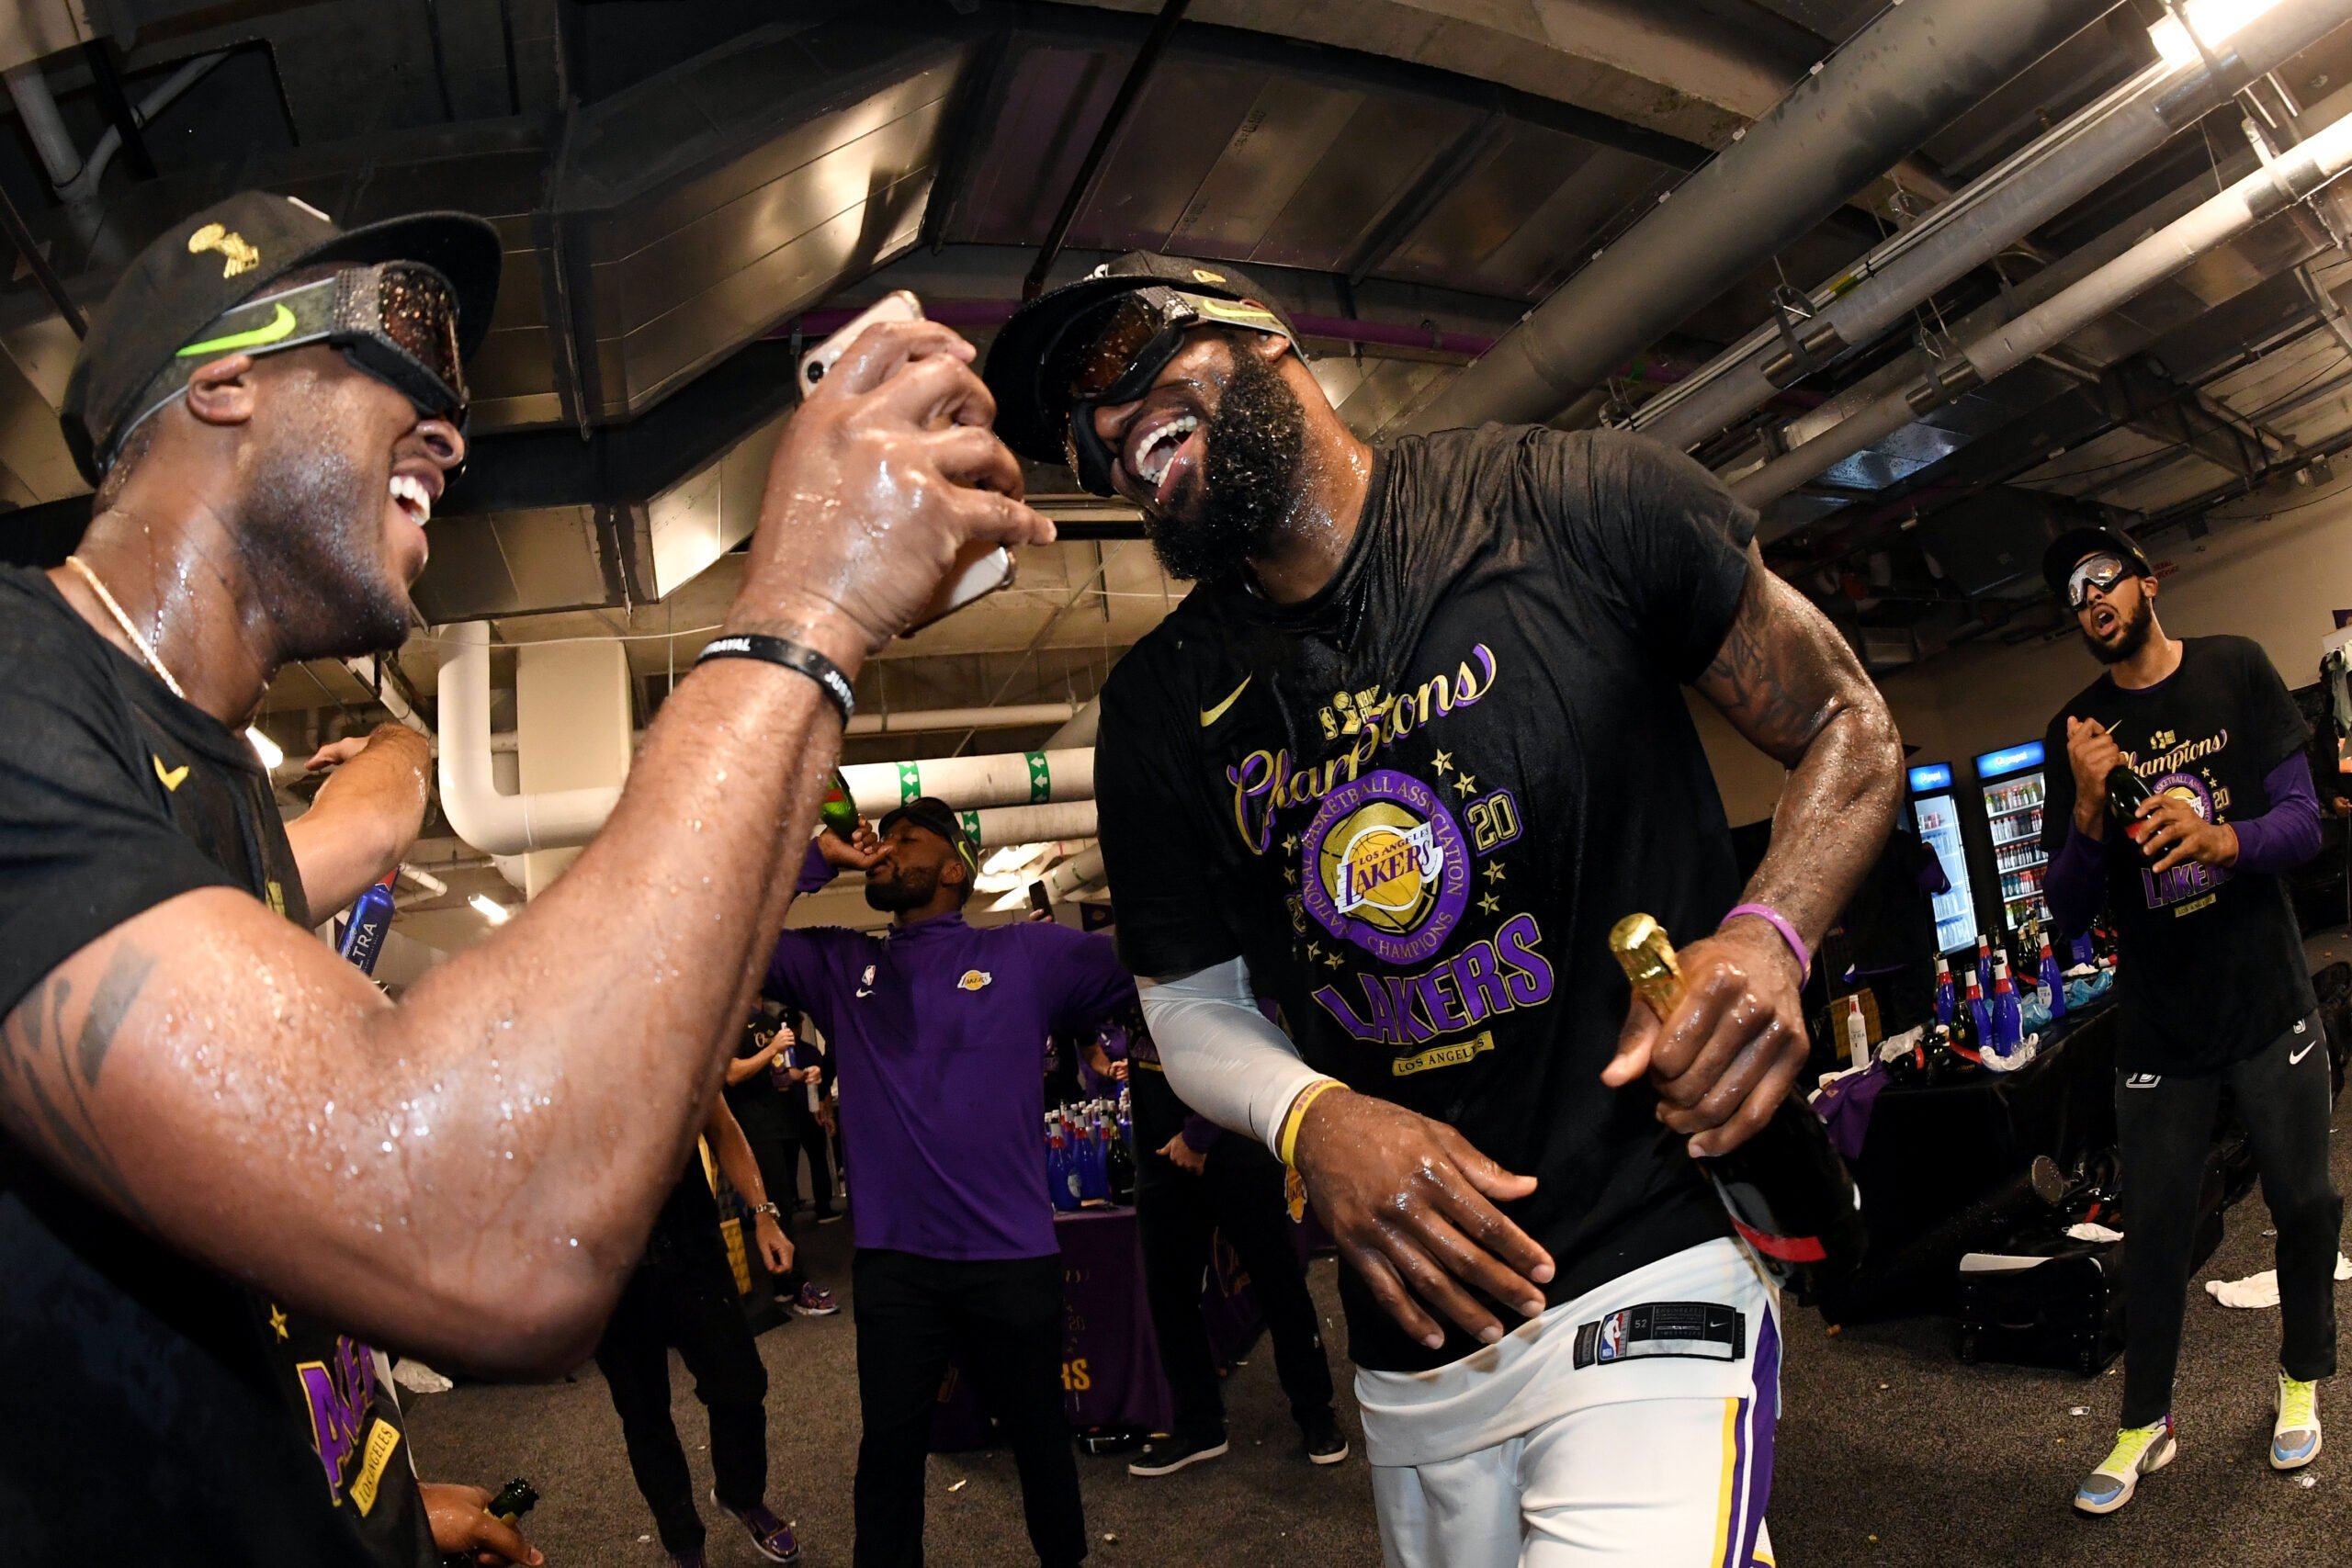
x,y
1002,1321
767,1128
2167,1127
809,1135
1241,1195
690,1304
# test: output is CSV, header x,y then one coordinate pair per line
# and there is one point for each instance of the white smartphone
x,y
899,305
980,569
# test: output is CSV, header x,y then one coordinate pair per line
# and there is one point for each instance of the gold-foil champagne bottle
x,y
1788,1194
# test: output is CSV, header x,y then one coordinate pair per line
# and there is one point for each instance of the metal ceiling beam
x,y
1147,60
1904,77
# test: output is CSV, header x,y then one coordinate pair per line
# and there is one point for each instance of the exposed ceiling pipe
x,y
38,109
2290,178
967,784
387,694
1045,787
1079,731
1907,75
2026,190
83,186
1075,875
493,823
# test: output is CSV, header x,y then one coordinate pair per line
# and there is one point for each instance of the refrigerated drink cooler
x,y
1935,812
2011,781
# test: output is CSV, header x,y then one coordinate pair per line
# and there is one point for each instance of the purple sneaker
x,y
814,1301
771,1537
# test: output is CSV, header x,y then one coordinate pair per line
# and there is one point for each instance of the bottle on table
x,y
2008,1018
2054,983
1979,1019
1858,1035
1945,999
1787,1192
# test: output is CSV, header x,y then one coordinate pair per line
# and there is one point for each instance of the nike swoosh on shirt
x,y
2304,1053
1210,716
169,777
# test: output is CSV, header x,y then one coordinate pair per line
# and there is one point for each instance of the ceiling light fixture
x,y
491,909
2213,23
265,748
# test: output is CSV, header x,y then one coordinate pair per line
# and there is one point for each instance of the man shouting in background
x,y
1412,747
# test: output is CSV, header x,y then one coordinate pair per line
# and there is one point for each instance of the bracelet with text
x,y
1778,922
791,655
1288,1142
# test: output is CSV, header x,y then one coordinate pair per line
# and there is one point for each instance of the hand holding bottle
x,y
2171,832
2091,752
1735,1044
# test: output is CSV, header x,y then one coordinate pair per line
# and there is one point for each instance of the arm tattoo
x,y
1787,681
52,1047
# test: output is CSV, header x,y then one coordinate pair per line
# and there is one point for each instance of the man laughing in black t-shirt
x,y
1415,744
2213,987
228,1165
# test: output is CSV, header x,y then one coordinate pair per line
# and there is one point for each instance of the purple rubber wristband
x,y
1778,922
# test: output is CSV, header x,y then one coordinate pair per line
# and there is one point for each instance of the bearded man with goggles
x,y
229,1165
2214,991
1411,747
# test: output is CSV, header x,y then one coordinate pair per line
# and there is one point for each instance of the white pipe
x,y
1079,731
1032,824
389,696
968,784
38,109
79,186
2290,177
1074,875
493,823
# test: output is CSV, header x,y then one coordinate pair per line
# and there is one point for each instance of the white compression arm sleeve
x,y
1224,1058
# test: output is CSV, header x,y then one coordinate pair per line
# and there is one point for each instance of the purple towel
x,y
1846,1105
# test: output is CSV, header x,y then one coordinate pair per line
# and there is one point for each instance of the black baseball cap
x,y
2066,552
1031,414
227,253
931,812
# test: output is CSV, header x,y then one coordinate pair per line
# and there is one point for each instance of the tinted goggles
x,y
1115,359
2102,572
397,321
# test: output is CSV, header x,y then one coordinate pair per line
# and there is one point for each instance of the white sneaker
x,y
2294,1441
2139,1451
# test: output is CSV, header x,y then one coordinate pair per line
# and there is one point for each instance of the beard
x,y
312,542
1255,444
2136,628
911,888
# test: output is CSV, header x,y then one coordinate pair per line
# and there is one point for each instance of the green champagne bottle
x,y
837,811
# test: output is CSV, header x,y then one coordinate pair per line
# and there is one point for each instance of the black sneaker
x,y
1324,1443
1165,1456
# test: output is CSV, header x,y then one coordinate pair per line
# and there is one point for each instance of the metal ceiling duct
x,y
2287,179
1908,74
2024,191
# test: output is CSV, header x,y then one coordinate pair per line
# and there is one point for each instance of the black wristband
x,y
792,656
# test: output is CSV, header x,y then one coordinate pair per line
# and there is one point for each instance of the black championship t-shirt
x,y
1417,803
150,1410
2213,963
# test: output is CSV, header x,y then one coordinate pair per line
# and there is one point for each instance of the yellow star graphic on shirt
x,y
1290,844
277,1320
1314,950
1332,962
1490,903
1463,783
1290,875
1494,871
1441,761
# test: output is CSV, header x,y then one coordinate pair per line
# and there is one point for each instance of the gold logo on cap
x,y
1203,274
237,255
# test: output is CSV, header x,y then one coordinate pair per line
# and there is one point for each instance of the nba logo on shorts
x,y
1612,1337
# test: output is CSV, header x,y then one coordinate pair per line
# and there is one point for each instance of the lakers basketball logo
x,y
1389,870
236,254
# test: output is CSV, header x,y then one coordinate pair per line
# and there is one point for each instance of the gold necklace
x,y
114,609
